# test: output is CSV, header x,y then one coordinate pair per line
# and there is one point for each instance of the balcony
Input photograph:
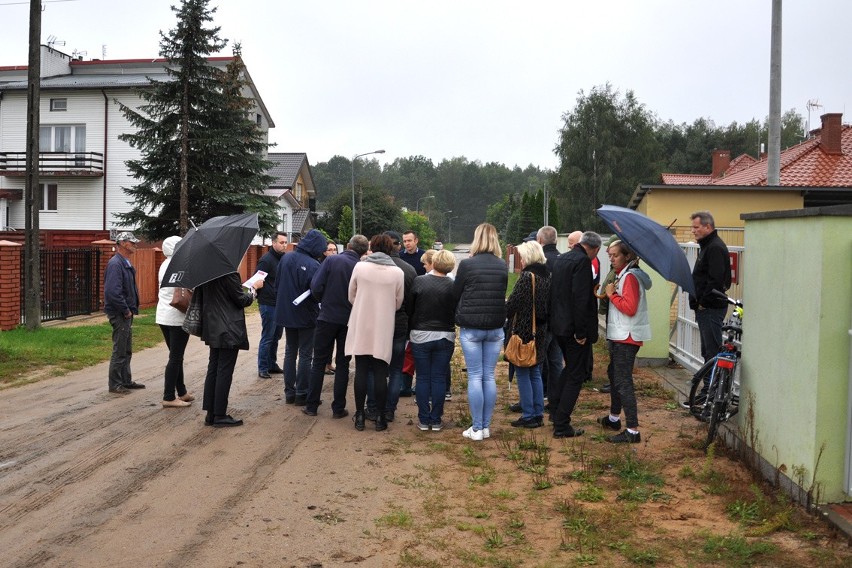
x,y
54,164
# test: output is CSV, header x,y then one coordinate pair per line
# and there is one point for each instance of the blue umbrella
x,y
652,242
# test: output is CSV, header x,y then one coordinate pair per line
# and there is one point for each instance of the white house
x,y
82,160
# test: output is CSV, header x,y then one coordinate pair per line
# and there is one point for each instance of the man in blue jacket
x,y
330,287
295,271
121,303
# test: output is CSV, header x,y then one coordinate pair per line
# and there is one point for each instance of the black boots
x,y
359,420
381,422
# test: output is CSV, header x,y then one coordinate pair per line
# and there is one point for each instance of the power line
x,y
27,3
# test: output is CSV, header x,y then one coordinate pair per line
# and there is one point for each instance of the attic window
x,y
58,104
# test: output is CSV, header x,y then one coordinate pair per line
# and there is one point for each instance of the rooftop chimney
x,y
830,133
721,161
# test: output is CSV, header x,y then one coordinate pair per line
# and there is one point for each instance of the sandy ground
x,y
91,479
88,478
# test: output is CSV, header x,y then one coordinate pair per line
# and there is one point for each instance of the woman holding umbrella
x,y
223,329
627,326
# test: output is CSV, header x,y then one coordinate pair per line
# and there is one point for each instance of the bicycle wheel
x,y
697,401
719,403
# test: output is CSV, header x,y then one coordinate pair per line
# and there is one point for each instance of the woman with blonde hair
x,y
480,290
531,295
433,337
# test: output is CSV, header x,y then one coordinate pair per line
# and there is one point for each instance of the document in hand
x,y
259,275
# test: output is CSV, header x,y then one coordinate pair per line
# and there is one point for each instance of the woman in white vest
x,y
627,326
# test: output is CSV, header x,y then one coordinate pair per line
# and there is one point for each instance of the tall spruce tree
x,y
202,152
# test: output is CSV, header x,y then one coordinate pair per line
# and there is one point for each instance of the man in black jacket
x,y
712,271
270,332
574,322
330,287
546,237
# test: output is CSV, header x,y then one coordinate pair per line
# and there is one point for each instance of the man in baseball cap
x,y
121,303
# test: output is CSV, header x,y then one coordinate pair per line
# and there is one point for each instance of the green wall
x,y
798,305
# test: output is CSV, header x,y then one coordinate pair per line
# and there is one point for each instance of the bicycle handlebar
x,y
733,302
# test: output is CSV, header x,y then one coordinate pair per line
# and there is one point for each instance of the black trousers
x,y
217,384
364,364
326,335
176,340
564,394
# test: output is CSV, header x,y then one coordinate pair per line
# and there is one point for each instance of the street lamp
x,y
417,206
353,183
450,227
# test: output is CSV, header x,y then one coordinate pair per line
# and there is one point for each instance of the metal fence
x,y
684,340
70,283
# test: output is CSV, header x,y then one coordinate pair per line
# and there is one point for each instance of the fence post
x,y
107,248
10,285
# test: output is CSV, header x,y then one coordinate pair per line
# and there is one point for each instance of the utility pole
x,y
546,204
32,195
773,174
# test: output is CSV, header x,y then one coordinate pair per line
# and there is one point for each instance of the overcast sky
x,y
488,80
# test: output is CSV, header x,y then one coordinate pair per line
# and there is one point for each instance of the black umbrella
x,y
652,242
212,250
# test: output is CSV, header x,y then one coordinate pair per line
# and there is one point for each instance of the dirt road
x,y
88,478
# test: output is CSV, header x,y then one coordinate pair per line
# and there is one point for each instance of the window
x,y
48,196
62,138
259,120
58,104
300,189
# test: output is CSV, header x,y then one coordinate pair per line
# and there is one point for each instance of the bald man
x,y
574,238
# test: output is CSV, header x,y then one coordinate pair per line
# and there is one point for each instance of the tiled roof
x,y
286,168
686,179
802,165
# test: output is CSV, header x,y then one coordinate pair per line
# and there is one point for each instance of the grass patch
x,y
398,518
67,348
733,550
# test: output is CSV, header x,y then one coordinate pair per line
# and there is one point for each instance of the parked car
x,y
438,245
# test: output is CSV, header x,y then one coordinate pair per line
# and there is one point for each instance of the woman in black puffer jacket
x,y
520,306
480,289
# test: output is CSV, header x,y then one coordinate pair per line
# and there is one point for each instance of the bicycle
x,y
720,400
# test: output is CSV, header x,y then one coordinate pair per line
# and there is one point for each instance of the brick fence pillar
x,y
10,285
107,249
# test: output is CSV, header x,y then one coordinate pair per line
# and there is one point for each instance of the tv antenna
x,y
812,104
52,40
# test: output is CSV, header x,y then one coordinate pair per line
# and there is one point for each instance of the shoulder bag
x,y
192,321
181,298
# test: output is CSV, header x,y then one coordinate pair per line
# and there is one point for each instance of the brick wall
x,y
10,284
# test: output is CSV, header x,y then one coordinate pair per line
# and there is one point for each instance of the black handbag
x,y
192,321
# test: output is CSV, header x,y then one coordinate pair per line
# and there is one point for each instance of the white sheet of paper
x,y
259,275
302,297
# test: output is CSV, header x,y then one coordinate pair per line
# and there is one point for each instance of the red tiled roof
x,y
740,163
686,179
803,165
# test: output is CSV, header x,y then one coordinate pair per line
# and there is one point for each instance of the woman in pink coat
x,y
376,293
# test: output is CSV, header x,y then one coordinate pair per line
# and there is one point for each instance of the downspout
x,y
106,124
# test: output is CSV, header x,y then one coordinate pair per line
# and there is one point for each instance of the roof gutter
x,y
106,131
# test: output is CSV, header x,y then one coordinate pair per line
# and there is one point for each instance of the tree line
x,y
608,145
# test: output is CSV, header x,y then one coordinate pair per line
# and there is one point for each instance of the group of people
x,y
383,296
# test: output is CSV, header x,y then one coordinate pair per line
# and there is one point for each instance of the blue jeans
x,y
394,377
300,342
270,334
481,349
709,322
531,389
431,360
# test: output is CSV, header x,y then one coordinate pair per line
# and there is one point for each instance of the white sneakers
x,y
477,435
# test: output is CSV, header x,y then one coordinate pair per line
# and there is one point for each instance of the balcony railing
x,y
54,164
